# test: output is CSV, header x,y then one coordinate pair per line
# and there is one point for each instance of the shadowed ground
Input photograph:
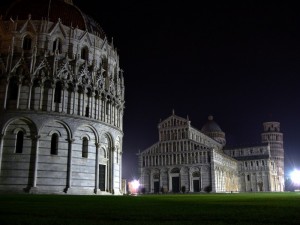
x,y
220,209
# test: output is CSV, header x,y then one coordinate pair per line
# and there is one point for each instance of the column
x,y
92,104
35,140
19,91
29,95
189,178
201,185
82,102
41,96
112,168
52,100
169,180
63,98
99,107
69,166
74,99
114,114
6,91
103,112
120,169
97,168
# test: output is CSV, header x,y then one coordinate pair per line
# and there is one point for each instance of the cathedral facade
x,y
186,159
61,101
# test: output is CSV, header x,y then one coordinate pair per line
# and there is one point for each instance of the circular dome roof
x,y
65,10
211,126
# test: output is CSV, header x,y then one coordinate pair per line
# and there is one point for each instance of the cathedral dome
x,y
53,10
211,126
213,130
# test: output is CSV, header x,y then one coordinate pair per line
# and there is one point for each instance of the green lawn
x,y
183,209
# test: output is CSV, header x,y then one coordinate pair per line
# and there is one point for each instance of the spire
x,y
173,112
112,43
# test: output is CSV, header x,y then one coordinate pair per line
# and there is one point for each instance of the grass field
x,y
183,209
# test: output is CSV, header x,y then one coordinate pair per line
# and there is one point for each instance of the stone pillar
x,y
19,91
97,168
92,104
41,96
201,179
98,107
120,169
82,103
103,112
35,140
151,190
190,180
69,166
112,169
6,92
63,98
29,95
52,100
74,99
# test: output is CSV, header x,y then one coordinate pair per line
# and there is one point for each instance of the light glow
x,y
133,186
295,176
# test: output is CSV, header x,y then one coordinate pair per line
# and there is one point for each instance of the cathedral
x,y
61,101
190,160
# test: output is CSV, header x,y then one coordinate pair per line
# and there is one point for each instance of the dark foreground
x,y
250,209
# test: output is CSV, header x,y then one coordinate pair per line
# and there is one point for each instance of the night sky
x,y
237,61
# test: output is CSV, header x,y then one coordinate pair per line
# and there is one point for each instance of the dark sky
x,y
238,61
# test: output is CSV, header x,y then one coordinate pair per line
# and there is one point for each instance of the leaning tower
x,y
272,135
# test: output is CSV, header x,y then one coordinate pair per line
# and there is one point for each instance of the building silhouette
x,y
186,159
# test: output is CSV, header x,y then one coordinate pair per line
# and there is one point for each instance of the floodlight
x,y
295,176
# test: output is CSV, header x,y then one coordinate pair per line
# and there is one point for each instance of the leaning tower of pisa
x,y
271,134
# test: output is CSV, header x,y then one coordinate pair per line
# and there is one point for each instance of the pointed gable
x,y
58,30
85,39
28,27
173,121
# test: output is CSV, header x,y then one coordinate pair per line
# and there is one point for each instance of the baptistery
x,y
61,101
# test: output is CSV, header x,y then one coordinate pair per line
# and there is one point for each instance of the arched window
x,y
57,45
57,94
85,146
54,144
85,53
20,140
27,42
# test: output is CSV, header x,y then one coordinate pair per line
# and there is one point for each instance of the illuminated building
x,y
61,101
186,159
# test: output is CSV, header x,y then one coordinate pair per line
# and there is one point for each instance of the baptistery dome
x,y
61,101
53,10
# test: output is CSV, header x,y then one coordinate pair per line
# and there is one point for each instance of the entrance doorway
x,y
156,187
102,177
196,185
175,184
